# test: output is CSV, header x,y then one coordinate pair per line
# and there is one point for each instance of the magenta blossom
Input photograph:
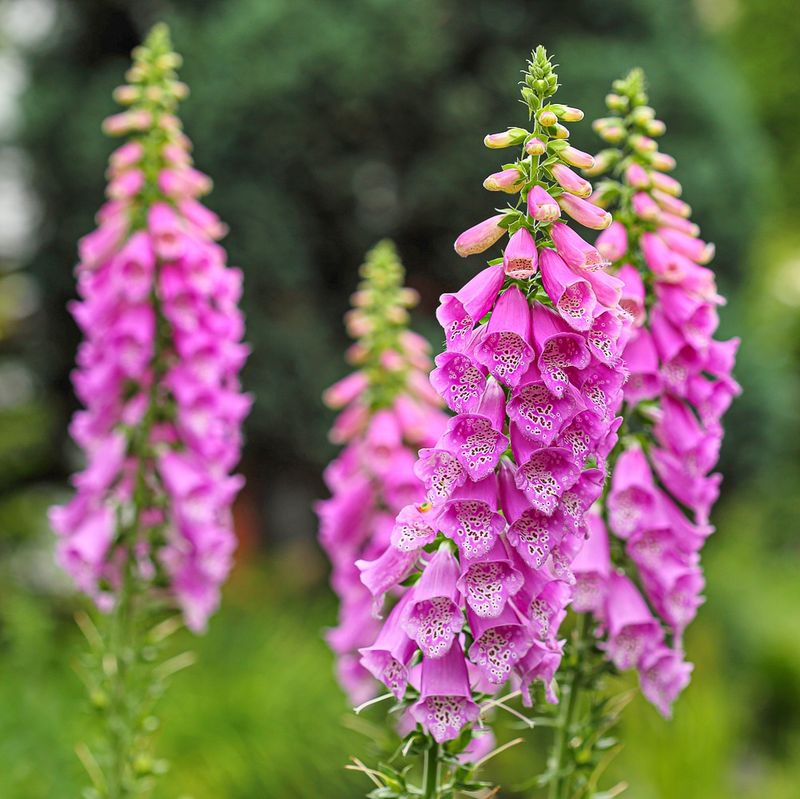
x,y
382,422
533,373
157,372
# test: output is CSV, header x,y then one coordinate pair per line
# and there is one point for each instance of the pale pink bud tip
x,y
480,237
541,206
584,212
570,114
510,137
547,118
535,146
509,181
571,182
575,157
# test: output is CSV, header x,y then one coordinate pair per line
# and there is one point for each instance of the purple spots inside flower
x,y
434,624
540,614
498,649
541,415
445,716
458,381
601,344
575,305
532,537
477,445
394,677
558,354
440,473
589,593
473,525
627,647
486,588
506,355
413,528
545,477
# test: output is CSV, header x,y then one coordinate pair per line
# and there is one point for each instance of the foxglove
x,y
387,411
533,374
679,387
150,524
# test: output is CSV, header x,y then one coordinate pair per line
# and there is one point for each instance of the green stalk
x,y
570,700
431,777
117,666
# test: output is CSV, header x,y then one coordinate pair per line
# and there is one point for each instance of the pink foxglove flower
x,y
158,370
679,382
533,373
384,418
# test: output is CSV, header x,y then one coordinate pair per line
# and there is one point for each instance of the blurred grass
x,y
260,715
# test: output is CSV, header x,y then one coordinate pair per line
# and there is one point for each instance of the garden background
x,y
328,124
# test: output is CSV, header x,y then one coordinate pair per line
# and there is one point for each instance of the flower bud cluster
x,y
387,412
680,386
532,371
157,372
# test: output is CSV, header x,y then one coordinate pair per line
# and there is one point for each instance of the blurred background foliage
x,y
326,125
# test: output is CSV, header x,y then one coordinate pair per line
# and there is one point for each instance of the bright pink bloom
x,y
172,275
612,243
572,295
520,257
578,253
445,703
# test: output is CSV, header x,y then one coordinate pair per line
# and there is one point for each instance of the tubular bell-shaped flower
x,y
384,418
150,525
679,387
533,374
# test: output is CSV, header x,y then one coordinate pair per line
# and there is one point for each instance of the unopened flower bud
x,y
678,223
655,127
508,138
126,122
645,207
547,118
560,131
541,206
568,114
179,89
642,114
127,94
480,237
408,297
584,212
612,243
603,161
509,181
571,182
573,156
666,183
672,204
616,102
642,144
535,146
662,162
636,176
613,134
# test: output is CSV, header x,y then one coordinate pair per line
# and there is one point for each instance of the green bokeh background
x,y
327,124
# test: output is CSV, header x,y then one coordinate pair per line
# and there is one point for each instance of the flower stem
x,y
557,765
431,776
117,665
